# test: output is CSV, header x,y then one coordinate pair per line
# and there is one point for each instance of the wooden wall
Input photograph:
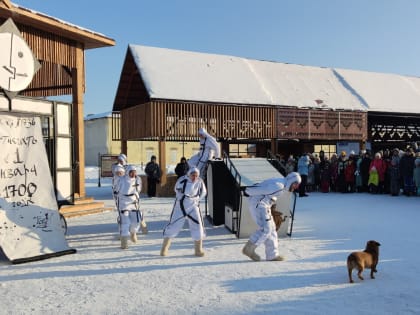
x,y
307,124
181,121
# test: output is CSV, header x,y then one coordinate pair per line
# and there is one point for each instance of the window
x,y
173,156
329,149
241,150
149,153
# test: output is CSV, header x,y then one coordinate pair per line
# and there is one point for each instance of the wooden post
x,y
274,146
162,160
124,148
225,147
79,134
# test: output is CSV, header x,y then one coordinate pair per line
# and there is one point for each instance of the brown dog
x,y
367,259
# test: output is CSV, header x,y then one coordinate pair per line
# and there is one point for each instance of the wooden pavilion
x,y
59,47
167,95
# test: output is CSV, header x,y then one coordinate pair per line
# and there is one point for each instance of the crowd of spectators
x,y
386,171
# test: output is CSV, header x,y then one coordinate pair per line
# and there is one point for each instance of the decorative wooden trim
x,y
181,120
306,124
385,127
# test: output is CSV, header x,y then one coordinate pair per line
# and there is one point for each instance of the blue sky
x,y
371,35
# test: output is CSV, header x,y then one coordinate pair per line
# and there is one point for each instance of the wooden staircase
x,y
83,206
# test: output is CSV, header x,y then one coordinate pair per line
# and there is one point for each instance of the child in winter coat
x,y
373,182
379,164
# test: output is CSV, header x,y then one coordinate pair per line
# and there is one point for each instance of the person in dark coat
x,y
387,159
333,172
182,167
364,170
341,167
394,174
325,176
407,170
153,173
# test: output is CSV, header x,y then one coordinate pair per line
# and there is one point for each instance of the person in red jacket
x,y
349,176
380,166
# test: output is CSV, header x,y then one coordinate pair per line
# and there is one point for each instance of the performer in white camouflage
x,y
189,190
130,215
209,149
261,197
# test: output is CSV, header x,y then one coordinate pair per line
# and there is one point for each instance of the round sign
x,y
17,65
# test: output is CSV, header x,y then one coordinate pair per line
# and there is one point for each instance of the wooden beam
x,y
6,3
53,25
274,147
79,134
162,160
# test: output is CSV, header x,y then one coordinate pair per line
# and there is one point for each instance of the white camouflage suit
x,y
260,202
128,193
188,196
118,170
209,148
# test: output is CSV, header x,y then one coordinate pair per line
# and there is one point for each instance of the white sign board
x,y
30,227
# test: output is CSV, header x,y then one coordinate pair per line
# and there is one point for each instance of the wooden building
x,y
167,95
59,47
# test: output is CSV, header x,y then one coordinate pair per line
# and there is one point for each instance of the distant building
x,y
98,140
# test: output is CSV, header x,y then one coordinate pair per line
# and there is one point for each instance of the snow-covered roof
x,y
192,76
384,92
184,75
97,116
57,19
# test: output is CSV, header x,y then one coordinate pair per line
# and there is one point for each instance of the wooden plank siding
x,y
172,120
50,47
57,56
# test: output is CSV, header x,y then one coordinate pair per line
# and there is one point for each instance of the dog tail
x,y
351,261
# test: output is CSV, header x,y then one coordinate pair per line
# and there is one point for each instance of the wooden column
x,y
274,146
162,160
225,147
124,147
78,82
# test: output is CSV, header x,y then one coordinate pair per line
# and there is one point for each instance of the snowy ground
x,y
103,279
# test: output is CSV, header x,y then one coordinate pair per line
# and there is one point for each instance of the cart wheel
x,y
63,223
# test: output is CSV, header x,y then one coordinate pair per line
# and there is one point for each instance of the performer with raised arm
x,y
209,149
